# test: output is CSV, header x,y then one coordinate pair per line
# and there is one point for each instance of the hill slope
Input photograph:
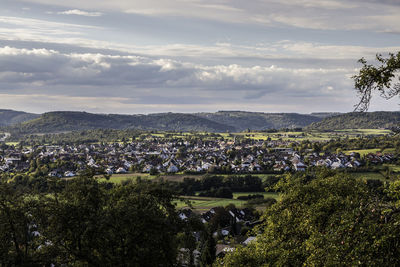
x,y
9,117
242,120
222,121
357,120
62,121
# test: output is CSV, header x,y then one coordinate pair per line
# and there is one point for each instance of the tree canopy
x,y
83,222
326,220
383,78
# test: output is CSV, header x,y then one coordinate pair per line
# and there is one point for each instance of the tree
x,y
326,221
207,248
383,78
89,224
16,228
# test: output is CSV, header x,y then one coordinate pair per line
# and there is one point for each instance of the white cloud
x,y
51,66
80,13
78,75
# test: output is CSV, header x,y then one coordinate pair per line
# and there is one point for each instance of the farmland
x,y
201,204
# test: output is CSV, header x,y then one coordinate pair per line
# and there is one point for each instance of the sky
x,y
131,56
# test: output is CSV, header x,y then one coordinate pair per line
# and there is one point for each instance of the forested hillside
x,y
210,122
359,120
9,117
222,121
242,120
71,121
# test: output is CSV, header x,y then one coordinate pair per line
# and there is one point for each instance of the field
x,y
12,143
393,168
368,175
201,204
364,152
293,135
308,135
118,178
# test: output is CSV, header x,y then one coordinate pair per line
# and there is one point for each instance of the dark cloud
x,y
52,72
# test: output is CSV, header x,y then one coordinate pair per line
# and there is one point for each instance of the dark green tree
x,y
326,221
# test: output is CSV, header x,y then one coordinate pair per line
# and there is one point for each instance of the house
x,y
109,171
223,232
337,165
120,170
54,174
172,168
69,174
300,166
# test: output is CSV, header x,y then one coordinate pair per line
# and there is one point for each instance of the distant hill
x,y
10,117
221,121
63,121
242,120
324,115
357,120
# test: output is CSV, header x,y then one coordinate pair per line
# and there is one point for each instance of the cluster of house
x,y
168,156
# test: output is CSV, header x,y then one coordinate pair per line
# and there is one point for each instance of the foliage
x,y
383,79
326,220
9,117
63,121
357,120
87,223
53,122
222,192
218,186
243,121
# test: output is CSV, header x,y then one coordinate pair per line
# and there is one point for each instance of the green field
x,y
201,204
364,152
368,175
119,178
365,131
12,143
393,168
308,135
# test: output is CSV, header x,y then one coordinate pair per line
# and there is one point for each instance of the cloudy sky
x,y
131,56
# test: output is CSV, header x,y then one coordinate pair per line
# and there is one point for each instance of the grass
x,y
12,143
368,175
310,135
393,167
364,152
365,131
201,204
119,178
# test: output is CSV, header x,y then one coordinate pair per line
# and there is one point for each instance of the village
x,y
160,155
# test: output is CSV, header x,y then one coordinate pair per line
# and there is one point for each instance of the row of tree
x,y
83,222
